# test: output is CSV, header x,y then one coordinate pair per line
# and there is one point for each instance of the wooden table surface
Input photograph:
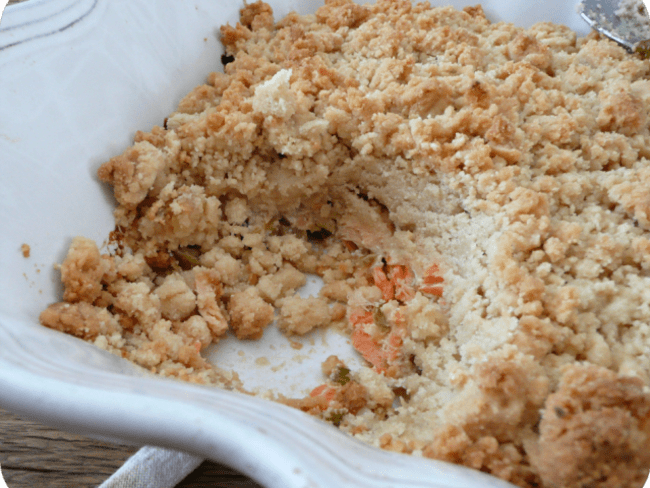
x,y
33,455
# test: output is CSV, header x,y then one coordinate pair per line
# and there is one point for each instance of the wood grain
x,y
214,475
32,454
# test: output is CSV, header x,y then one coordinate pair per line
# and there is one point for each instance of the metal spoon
x,y
631,33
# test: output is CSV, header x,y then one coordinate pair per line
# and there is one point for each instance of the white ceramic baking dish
x,y
77,79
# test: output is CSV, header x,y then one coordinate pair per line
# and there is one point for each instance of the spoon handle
x,y
624,22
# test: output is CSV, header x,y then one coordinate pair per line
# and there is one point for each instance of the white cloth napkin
x,y
153,467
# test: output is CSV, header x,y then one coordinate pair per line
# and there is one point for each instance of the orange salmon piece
x,y
432,280
402,279
396,285
383,283
327,391
369,349
359,317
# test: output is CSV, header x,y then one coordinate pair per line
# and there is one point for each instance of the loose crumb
x,y
263,361
26,250
301,315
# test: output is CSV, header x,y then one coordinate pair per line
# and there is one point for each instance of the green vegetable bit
x,y
380,319
336,418
643,49
187,257
342,376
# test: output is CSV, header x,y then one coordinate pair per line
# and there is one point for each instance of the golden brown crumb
x,y
330,365
594,427
81,319
85,271
249,314
26,250
474,197
177,300
301,315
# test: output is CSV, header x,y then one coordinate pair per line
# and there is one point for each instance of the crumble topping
x,y
475,198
